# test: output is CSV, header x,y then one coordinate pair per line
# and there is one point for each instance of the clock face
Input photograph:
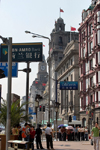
x,y
42,67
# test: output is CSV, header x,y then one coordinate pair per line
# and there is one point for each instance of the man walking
x,y
38,137
49,135
95,134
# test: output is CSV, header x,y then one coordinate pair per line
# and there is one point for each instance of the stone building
x,y
68,70
59,40
89,65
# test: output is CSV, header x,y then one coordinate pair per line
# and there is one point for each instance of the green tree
x,y
18,113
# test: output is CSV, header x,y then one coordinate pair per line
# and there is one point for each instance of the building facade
x,y
68,70
59,40
89,65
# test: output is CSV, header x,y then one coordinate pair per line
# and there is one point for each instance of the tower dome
x,y
60,20
59,25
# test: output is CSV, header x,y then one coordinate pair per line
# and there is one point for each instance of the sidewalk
x,y
70,145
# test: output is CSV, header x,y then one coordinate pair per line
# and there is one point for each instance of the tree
x,y
18,113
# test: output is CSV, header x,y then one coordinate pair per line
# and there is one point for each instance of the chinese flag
x,y
61,10
43,84
73,29
36,82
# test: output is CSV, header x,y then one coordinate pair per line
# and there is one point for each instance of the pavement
x,y
70,145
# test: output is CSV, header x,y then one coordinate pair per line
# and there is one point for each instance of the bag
x,y
91,142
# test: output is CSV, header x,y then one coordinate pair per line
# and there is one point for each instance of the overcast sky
x,y
37,16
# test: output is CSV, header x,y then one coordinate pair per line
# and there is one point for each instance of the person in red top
x,y
32,135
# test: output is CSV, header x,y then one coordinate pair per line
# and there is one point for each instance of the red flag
x,y
61,10
43,84
73,29
50,49
36,82
43,45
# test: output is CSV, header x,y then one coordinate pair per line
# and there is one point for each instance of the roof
x,y
91,7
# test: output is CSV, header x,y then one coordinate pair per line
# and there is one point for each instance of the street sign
x,y
68,85
22,52
4,67
31,111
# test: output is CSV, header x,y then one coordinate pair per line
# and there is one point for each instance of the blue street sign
x,y
22,52
31,111
74,117
68,85
4,67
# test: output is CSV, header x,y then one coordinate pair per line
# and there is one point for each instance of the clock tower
x,y
42,71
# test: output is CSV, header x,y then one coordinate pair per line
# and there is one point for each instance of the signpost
x,y
4,67
68,85
22,52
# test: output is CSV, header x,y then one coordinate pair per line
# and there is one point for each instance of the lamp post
x,y
8,121
41,36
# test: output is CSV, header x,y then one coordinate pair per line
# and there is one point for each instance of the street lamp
x,y
41,36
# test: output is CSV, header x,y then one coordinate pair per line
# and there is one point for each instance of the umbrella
x,y
65,125
61,125
69,127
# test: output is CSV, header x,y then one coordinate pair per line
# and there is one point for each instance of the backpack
x,y
23,133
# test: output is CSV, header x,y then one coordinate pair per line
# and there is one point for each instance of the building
x,y
38,87
89,64
59,40
68,70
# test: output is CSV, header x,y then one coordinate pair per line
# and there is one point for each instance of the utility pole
x,y
27,88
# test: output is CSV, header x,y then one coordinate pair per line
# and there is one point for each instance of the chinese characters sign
x,y
4,67
22,52
68,85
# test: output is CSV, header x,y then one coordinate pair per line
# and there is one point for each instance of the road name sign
x,y
68,85
4,67
22,52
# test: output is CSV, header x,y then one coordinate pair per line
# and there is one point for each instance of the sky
x,y
37,16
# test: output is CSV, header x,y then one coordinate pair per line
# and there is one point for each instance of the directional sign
x,y
68,85
4,67
22,52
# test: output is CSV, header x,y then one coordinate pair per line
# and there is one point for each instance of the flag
x,y
73,29
43,45
43,84
50,49
61,10
36,82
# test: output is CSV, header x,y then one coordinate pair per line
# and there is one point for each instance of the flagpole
x,y
59,14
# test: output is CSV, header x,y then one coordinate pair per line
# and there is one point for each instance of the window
x,y
91,81
91,64
71,61
91,46
60,58
81,85
60,40
81,69
71,77
67,66
90,28
91,99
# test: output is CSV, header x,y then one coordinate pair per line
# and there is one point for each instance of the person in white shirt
x,y
49,135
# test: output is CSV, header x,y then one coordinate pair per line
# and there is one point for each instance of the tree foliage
x,y
18,113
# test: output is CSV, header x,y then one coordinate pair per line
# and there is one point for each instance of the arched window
x,y
60,40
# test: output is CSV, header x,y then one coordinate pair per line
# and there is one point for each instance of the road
x,y
70,145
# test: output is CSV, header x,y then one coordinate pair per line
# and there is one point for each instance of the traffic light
x,y
2,75
43,108
40,108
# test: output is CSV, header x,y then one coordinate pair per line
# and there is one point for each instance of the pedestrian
x,y
59,133
76,132
20,132
15,130
95,134
49,135
38,137
64,134
86,134
32,135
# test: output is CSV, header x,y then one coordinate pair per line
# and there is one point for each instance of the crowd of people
x,y
28,133
75,134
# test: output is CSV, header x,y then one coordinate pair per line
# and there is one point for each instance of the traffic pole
x,y
8,122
